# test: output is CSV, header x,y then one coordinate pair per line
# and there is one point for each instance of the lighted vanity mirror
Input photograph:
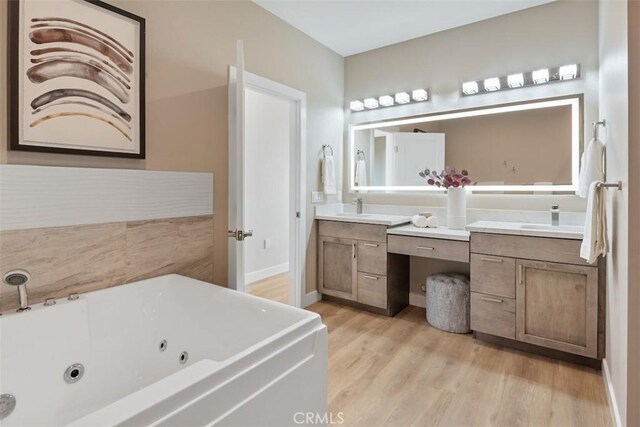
x,y
532,147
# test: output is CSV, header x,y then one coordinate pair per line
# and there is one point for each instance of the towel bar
x,y
617,185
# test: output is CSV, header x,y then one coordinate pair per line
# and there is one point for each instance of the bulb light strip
x,y
400,98
538,77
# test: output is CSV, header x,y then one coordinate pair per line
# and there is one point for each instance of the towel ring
x,y
595,127
324,149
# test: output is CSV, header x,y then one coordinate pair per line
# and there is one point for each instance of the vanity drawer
x,y
372,257
493,275
372,290
349,230
429,248
493,315
536,248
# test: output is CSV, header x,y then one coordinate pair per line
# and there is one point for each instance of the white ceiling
x,y
353,26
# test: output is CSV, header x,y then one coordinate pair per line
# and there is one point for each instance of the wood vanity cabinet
x,y
557,306
537,291
354,267
338,270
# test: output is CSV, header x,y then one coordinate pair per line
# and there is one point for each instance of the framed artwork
x,y
76,78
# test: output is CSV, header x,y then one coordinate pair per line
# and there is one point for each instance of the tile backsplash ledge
x,y
44,196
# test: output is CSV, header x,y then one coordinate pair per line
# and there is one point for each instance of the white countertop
x,y
434,233
527,229
366,218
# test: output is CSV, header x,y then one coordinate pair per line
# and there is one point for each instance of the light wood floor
x,y
401,372
275,288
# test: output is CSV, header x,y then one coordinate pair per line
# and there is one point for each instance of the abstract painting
x,y
76,70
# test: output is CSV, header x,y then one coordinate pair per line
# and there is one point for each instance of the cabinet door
x,y
557,306
337,267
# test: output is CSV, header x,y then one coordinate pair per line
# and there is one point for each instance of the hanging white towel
x,y
594,240
591,166
361,172
329,175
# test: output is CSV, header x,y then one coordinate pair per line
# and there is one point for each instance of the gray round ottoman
x,y
448,302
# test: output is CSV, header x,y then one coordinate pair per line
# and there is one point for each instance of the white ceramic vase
x,y
456,208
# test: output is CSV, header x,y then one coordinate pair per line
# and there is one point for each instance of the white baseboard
x,y
256,276
611,395
417,299
311,298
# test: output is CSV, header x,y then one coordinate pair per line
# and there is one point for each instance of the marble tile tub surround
x,y
473,215
84,258
45,196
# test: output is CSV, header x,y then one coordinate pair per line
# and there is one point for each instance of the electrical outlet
x,y
317,197
267,243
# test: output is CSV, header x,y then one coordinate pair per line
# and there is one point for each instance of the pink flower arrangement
x,y
450,177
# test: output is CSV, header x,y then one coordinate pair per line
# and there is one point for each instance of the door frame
x,y
297,173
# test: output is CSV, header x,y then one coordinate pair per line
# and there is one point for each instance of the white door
x,y
237,232
239,81
416,152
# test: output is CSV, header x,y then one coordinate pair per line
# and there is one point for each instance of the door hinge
x,y
297,214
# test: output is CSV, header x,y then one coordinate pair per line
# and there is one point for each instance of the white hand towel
x,y
419,221
329,175
432,222
591,166
594,240
361,172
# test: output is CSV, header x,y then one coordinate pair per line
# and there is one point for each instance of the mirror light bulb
x,y
371,103
356,106
386,100
515,80
419,95
540,76
402,98
568,72
492,84
469,88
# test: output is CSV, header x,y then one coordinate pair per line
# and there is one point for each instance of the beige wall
x,y
549,35
190,45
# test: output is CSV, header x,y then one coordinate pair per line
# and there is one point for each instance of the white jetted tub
x,y
165,351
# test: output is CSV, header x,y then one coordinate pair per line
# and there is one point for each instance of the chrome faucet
x,y
358,203
19,278
555,215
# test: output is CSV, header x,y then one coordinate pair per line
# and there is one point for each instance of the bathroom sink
x,y
559,228
366,218
352,215
528,229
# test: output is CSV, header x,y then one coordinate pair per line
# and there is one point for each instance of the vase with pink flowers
x,y
454,181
